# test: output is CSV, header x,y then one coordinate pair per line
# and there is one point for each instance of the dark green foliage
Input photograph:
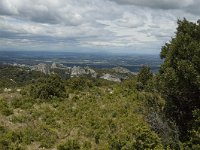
x,y
85,83
23,103
157,121
2,130
48,88
46,136
80,83
11,76
179,76
194,139
4,108
130,83
69,145
61,72
143,77
5,82
142,139
10,140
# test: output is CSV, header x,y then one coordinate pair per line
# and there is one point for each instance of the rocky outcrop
x,y
42,68
91,72
110,78
121,70
75,71
79,71
58,66
54,66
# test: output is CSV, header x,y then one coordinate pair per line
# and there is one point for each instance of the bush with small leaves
x,y
143,77
48,88
5,108
69,145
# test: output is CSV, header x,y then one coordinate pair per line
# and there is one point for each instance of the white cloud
x,y
80,24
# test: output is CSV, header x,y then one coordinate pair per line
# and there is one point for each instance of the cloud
x,y
67,12
192,6
164,4
7,8
77,24
43,11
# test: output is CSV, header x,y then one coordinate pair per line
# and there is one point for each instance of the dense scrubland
x,y
146,111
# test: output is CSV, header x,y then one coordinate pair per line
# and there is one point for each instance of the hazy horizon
x,y
84,52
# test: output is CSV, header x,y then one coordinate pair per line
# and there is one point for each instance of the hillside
x,y
104,115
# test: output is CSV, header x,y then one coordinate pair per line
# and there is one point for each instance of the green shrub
x,y
143,77
69,145
42,134
11,141
4,108
80,83
194,140
23,103
48,88
141,139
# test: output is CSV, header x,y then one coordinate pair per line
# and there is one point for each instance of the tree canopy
x,y
180,74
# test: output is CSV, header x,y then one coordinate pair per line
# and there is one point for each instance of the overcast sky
x,y
140,26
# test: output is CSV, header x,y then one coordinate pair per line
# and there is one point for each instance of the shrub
x,y
139,138
194,141
143,77
23,103
4,108
48,88
42,134
10,141
69,145
80,83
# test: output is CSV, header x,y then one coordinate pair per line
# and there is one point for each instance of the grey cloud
x,y
67,12
8,35
192,6
163,4
131,20
52,12
6,8
91,23
38,38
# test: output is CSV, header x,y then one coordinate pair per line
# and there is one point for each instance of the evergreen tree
x,y
143,77
179,76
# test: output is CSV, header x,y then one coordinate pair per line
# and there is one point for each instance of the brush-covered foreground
x,y
98,115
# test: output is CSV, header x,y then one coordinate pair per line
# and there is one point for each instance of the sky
x,y
118,26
